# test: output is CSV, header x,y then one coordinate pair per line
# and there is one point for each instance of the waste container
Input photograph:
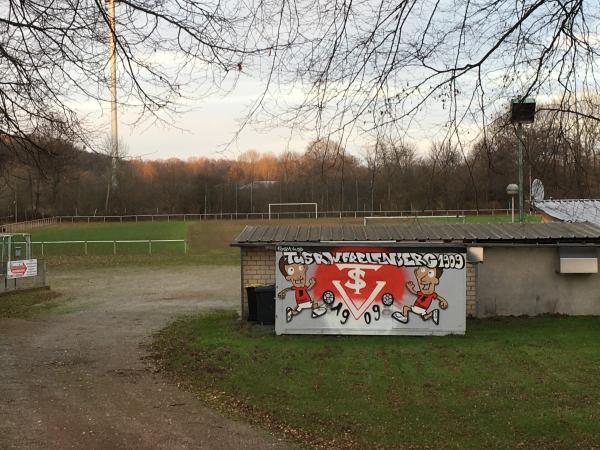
x,y
265,304
250,290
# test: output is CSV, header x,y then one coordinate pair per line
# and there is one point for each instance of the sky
x,y
207,127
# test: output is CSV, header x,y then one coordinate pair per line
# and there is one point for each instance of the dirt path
x,y
78,379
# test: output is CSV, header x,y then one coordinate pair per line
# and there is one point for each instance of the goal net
x,y
293,210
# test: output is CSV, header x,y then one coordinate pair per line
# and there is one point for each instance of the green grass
x,y
511,383
28,304
111,231
155,260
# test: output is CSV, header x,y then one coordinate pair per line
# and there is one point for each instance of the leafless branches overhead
x,y
386,64
333,65
53,56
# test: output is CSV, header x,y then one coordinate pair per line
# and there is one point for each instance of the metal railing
x,y
85,245
278,215
22,226
28,225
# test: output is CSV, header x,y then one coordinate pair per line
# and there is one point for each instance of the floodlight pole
x,y
522,111
112,49
520,166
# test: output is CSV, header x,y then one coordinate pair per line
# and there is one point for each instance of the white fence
x,y
460,218
28,225
31,224
278,215
84,246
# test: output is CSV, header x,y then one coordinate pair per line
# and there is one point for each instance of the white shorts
x,y
418,310
304,305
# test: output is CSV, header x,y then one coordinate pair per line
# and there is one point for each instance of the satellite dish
x,y
537,190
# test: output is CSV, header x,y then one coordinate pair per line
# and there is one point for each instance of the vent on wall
x,y
578,260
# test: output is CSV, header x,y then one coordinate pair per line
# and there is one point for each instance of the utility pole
x,y
205,199
112,49
236,200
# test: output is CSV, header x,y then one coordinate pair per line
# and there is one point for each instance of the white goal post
x,y
294,204
366,219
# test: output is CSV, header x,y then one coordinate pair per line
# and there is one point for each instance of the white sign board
x,y
369,290
21,268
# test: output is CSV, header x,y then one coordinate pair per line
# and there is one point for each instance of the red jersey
x,y
424,300
301,294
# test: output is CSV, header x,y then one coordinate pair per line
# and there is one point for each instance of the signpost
x,y
370,290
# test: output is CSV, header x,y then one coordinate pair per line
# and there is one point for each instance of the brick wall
x,y
258,268
471,295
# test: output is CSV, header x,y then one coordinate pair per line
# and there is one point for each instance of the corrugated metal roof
x,y
442,233
572,210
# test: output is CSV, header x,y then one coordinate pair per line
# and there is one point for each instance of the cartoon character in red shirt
x,y
427,280
296,274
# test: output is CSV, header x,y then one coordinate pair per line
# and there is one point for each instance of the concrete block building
x,y
512,269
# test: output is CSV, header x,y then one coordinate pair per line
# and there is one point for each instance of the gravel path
x,y
78,379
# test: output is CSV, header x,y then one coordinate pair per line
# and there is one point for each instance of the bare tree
x,y
54,55
358,63
372,64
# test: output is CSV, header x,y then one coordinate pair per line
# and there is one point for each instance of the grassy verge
x,y
28,304
513,383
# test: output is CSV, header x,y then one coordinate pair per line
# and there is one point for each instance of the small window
x,y
578,259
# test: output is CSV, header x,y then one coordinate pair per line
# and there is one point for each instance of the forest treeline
x,y
60,179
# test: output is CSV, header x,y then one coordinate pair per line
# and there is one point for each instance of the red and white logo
x,y
359,286
355,274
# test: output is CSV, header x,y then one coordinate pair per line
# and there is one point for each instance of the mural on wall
x,y
368,290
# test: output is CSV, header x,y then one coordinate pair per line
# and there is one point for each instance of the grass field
x,y
208,241
109,232
511,383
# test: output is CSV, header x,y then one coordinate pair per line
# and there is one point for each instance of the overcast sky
x,y
205,129
208,126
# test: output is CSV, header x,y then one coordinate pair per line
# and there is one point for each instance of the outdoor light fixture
x,y
522,111
512,190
